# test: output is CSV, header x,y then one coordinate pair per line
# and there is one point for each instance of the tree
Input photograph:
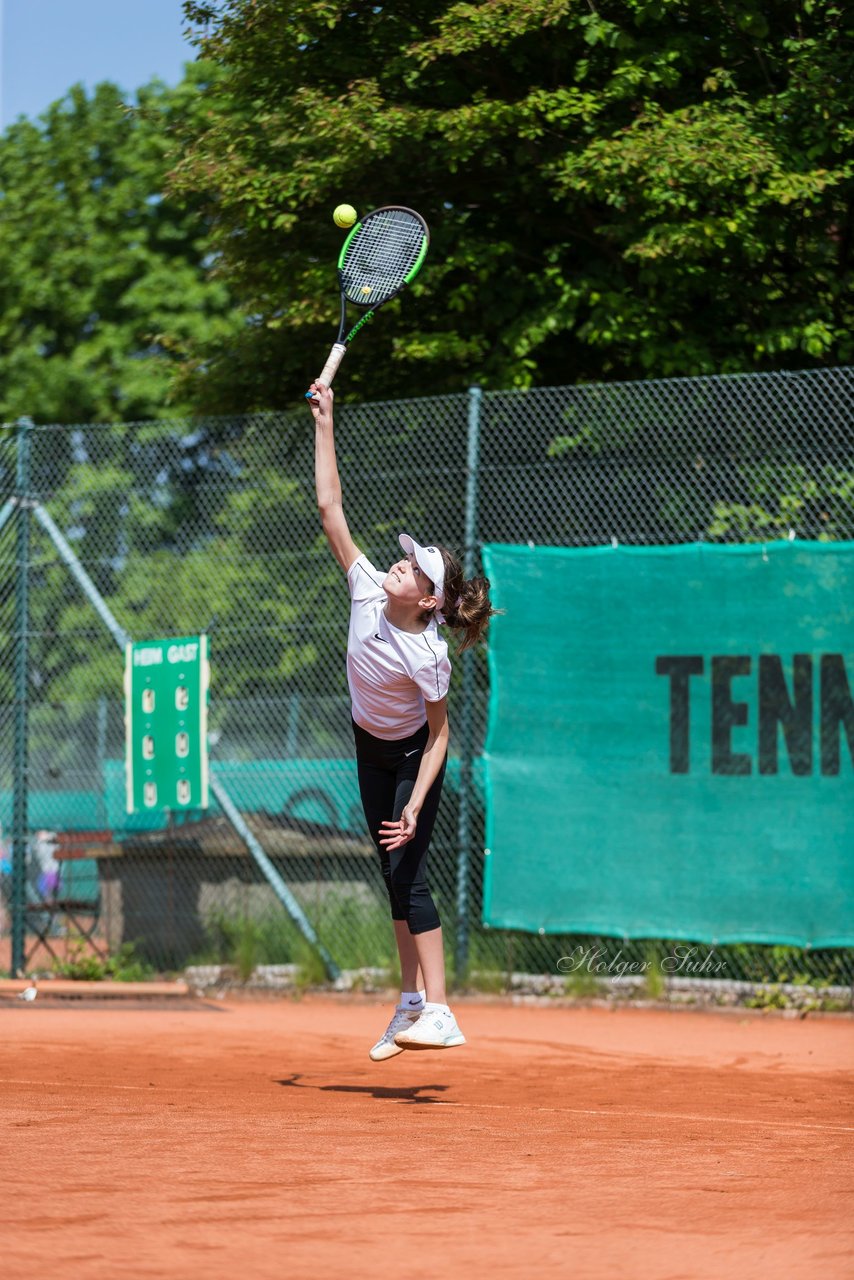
x,y
615,190
104,281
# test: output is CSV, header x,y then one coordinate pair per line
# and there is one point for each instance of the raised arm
x,y
326,479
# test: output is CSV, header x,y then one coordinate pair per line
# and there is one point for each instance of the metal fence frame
x,y
627,443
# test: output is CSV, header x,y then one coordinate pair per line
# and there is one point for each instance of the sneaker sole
x,y
446,1044
388,1051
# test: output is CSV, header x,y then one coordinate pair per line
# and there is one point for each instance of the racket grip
x,y
336,355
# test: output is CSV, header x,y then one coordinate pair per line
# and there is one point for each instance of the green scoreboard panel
x,y
166,724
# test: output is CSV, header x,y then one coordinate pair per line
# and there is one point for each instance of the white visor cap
x,y
428,559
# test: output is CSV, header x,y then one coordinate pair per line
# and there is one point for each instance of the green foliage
x,y
83,966
311,971
582,985
490,982
105,282
629,189
652,972
359,933
246,942
788,499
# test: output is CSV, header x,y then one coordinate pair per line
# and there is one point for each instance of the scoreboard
x,y
166,724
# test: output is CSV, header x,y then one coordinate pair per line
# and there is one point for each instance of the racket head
x,y
382,254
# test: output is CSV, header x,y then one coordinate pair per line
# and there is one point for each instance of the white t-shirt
x,y
391,673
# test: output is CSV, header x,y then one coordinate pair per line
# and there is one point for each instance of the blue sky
x,y
48,45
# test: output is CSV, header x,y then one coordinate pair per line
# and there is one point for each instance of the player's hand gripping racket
x,y
381,255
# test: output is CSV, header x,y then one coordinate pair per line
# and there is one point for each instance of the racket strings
x,y
381,255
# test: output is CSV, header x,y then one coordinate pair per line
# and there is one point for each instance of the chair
x,y
53,901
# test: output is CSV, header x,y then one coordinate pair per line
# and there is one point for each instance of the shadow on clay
x,y
402,1093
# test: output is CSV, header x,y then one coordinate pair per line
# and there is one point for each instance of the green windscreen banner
x,y
671,742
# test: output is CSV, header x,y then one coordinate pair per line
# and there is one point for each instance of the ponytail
x,y
467,606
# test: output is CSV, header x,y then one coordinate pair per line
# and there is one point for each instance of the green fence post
x,y
20,779
461,955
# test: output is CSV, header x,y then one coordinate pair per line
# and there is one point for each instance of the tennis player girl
x,y
398,672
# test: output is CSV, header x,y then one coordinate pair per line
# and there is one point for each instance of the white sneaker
x,y
401,1020
436,1028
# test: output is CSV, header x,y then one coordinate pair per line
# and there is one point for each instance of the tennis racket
x,y
382,255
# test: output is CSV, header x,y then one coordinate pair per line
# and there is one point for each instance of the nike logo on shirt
x,y
411,753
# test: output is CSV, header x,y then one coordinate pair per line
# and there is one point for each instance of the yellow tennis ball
x,y
344,215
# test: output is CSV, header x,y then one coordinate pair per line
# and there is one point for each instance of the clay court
x,y
255,1138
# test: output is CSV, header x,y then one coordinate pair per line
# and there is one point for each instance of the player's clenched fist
x,y
320,402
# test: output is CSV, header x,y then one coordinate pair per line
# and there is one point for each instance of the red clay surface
x,y
236,1139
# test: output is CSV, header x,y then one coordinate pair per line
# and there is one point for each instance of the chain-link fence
x,y
171,528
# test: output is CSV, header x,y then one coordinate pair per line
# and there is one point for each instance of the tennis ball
x,y
344,215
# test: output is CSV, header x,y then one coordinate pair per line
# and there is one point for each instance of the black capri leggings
x,y
387,773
